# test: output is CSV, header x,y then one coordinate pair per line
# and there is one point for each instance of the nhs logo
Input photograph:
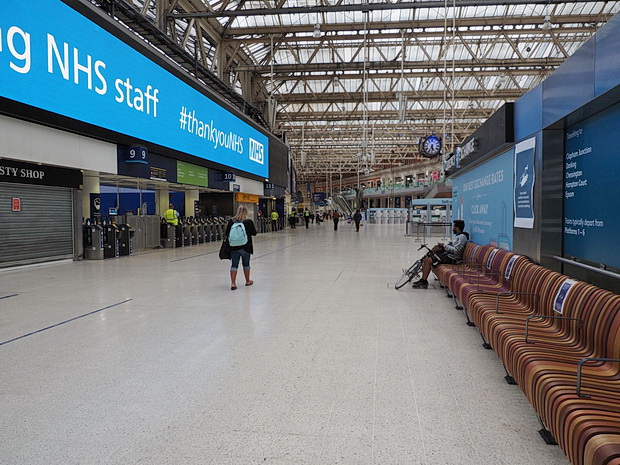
x,y
257,151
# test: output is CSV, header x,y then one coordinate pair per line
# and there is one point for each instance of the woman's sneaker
x,y
421,284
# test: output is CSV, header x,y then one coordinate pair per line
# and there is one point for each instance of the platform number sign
x,y
16,204
137,155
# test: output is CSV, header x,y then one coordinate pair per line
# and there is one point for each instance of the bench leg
x,y
546,435
509,379
457,306
485,344
469,322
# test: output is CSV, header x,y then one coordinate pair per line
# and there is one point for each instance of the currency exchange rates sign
x,y
53,58
592,188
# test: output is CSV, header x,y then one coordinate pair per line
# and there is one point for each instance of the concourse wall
x,y
584,93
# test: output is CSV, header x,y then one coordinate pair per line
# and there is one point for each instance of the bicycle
x,y
414,270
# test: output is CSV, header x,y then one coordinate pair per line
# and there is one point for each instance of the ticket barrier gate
x,y
168,235
218,230
178,235
93,242
200,227
212,231
187,234
111,241
193,230
125,239
207,226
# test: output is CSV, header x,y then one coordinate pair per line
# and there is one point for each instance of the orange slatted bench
x,y
547,344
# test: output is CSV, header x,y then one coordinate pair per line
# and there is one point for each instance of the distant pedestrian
x,y
292,219
336,217
307,217
274,220
357,218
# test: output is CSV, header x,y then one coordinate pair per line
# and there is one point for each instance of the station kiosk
x,y
372,216
419,213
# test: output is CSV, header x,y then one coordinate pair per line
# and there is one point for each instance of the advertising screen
x,y
53,58
591,189
483,198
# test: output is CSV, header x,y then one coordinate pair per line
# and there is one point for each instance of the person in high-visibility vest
x,y
171,216
274,220
307,217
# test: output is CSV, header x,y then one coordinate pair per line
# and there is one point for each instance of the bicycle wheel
x,y
408,274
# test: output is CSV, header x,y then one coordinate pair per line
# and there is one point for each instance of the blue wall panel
x,y
528,113
607,57
483,198
570,86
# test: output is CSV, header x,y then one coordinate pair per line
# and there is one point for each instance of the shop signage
x,y
16,204
449,161
73,67
468,149
268,186
246,198
236,188
26,173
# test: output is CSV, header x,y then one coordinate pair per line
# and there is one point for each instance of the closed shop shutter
x,y
41,231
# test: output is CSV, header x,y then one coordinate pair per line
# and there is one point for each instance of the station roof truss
x,y
354,85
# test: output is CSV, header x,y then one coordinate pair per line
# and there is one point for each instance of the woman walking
x,y
240,247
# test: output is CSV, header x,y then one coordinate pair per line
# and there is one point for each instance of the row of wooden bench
x,y
559,340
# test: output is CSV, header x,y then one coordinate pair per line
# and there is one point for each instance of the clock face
x,y
431,146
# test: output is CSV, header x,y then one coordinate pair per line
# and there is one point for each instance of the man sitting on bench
x,y
449,253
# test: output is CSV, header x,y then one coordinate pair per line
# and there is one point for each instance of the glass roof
x,y
335,73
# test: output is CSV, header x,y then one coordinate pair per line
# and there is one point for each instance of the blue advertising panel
x,y
53,58
591,189
483,197
525,177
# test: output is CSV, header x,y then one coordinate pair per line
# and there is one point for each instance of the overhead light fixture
x,y
317,31
546,24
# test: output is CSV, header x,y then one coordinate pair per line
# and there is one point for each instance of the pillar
x,y
163,199
191,196
90,185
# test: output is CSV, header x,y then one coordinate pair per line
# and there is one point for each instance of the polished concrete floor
x,y
152,359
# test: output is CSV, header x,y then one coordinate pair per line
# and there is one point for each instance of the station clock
x,y
430,146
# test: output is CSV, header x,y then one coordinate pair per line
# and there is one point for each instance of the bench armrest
x,y
547,317
582,362
508,294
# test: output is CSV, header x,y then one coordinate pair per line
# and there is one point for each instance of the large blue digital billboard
x,y
483,198
591,189
53,58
